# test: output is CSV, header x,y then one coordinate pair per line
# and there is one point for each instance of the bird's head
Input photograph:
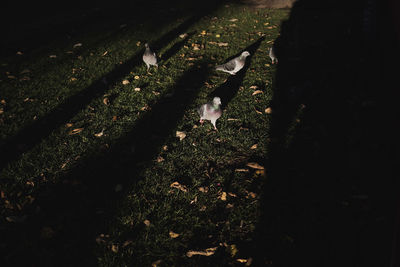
x,y
146,45
217,101
245,54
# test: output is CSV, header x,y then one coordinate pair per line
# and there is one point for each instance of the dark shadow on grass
x,y
41,128
329,193
175,48
228,89
85,204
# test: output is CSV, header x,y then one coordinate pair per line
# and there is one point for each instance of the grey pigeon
x,y
210,111
149,57
234,65
272,55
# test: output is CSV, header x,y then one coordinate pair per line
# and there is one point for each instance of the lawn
x,y
106,163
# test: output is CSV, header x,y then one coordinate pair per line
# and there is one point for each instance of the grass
x,y
107,199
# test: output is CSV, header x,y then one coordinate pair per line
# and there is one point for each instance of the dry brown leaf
x,y
256,92
222,44
69,125
156,93
191,58
253,87
137,89
194,200
229,206
160,159
183,35
127,243
114,248
73,79
233,20
11,77
232,194
241,170
25,71
165,148
146,222
203,189
136,77
252,195
241,260
268,110
2,102
25,78
173,234
203,208
179,186
125,82
77,45
75,131
258,112
52,56
253,146
255,165
106,101
206,252
114,118
105,53
181,135
230,119
20,53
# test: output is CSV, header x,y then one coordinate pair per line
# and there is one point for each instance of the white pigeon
x,y
272,55
234,65
149,57
210,111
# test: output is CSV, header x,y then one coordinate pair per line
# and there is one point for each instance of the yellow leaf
x,y
137,77
137,89
181,135
73,79
233,20
268,110
160,159
69,125
124,82
206,252
105,53
203,189
75,131
106,101
100,134
256,92
255,165
138,43
233,250
222,44
217,35
258,112
203,33
253,146
173,235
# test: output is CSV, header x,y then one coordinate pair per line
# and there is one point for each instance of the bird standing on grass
x,y
210,111
149,57
272,55
234,65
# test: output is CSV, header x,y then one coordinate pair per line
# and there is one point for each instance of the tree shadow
x,y
85,203
329,197
175,48
31,135
228,89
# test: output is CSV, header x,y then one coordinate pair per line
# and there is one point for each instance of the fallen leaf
x,y
183,35
156,263
255,165
52,56
203,208
25,78
16,219
160,159
223,196
137,77
173,234
232,194
252,195
229,206
253,146
268,110
77,45
127,243
179,186
114,118
241,260
75,131
114,248
206,252
138,43
1,110
106,101
2,195
11,77
233,249
258,112
156,93
203,33
68,124
233,20
217,35
222,44
165,147
73,79
20,53
253,87
105,53
181,135
256,92
137,89
146,222
124,82
194,200
231,119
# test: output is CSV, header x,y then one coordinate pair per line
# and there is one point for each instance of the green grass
x,y
144,122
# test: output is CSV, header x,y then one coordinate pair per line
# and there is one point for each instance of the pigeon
x,y
272,55
149,57
234,65
210,111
